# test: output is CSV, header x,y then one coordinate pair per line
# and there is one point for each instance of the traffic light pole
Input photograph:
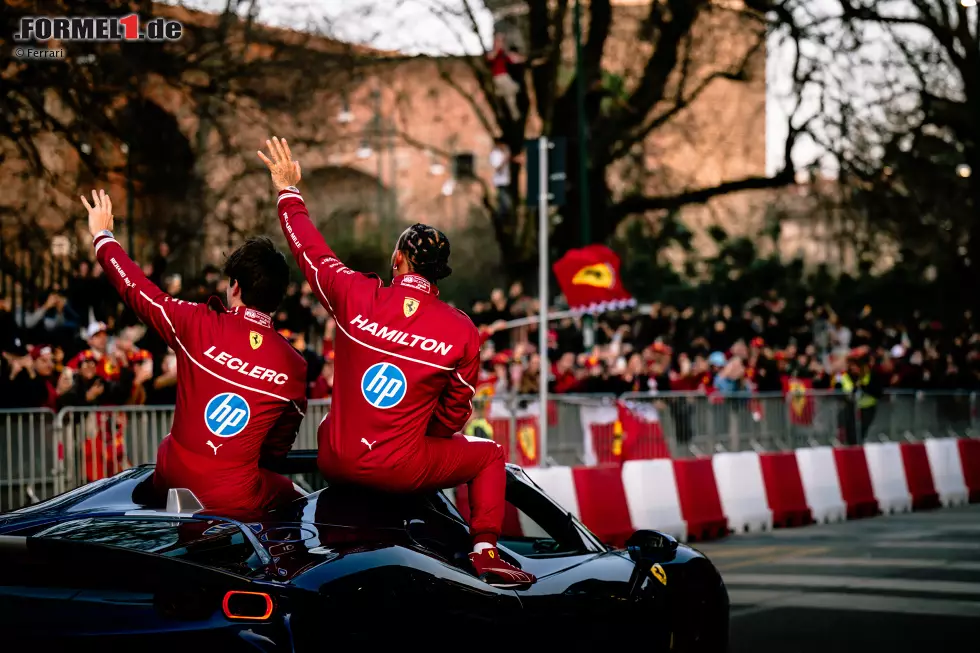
x,y
544,369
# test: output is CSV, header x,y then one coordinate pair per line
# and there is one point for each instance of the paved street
x,y
899,583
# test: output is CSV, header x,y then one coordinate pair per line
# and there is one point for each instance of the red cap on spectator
x,y
501,359
41,350
758,343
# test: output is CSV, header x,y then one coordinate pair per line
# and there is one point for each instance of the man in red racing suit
x,y
242,389
405,368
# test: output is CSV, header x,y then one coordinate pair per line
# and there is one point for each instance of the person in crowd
x,y
91,387
314,362
97,339
45,378
506,88
55,320
501,161
322,386
162,390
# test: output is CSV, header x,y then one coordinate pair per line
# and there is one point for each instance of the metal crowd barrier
x,y
916,415
30,462
99,442
43,454
316,412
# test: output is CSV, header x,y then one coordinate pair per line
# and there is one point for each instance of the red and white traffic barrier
x,y
969,451
699,498
821,484
784,489
652,498
855,482
947,471
888,481
696,499
742,491
918,475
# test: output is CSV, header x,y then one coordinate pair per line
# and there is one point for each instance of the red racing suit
x,y
405,368
241,393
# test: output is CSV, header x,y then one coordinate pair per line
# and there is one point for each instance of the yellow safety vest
x,y
846,385
866,400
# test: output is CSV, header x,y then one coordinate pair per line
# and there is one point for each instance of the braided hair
x,y
427,251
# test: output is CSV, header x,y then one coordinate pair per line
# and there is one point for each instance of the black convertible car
x,y
101,568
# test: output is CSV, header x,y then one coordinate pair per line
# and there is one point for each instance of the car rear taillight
x,y
249,606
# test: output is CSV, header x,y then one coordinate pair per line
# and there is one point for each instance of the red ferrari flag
x,y
589,279
800,396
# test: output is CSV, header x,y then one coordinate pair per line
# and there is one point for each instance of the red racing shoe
x,y
496,571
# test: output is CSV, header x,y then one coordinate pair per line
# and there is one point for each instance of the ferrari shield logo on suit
x,y
255,339
410,306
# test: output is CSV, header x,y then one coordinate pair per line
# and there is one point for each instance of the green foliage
x,y
646,275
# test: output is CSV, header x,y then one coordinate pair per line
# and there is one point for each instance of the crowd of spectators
x,y
750,348
79,346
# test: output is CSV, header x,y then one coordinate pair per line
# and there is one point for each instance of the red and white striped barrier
x,y
821,485
969,452
888,481
742,491
918,475
652,498
784,489
855,482
947,471
703,498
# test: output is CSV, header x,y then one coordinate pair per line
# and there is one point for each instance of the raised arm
x,y
327,276
153,306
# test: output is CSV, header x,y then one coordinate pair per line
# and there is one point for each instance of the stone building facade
x,y
380,144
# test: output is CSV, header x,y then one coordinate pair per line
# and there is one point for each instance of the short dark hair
x,y
261,272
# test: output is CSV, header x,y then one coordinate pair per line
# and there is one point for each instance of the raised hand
x,y
99,215
285,171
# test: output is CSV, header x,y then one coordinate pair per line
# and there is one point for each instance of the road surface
x,y
886,584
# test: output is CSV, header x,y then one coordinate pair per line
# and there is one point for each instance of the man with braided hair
x,y
405,368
